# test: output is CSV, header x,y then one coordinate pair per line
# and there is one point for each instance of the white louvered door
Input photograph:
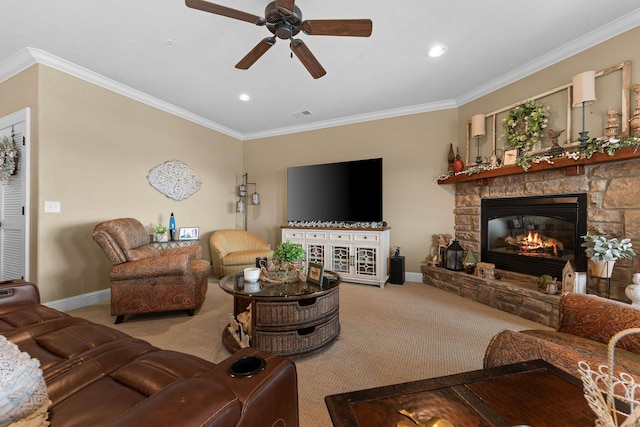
x,y
13,202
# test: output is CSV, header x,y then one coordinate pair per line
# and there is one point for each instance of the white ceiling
x,y
123,45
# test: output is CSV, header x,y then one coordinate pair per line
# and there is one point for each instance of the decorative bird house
x,y
455,256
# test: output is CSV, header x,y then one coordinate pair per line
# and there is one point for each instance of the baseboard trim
x,y
96,297
413,277
79,301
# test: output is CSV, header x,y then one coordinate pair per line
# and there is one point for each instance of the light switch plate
x,y
52,207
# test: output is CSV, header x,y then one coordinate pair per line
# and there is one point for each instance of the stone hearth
x,y
514,293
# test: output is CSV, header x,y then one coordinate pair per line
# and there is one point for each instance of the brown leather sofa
x,y
98,376
586,324
145,279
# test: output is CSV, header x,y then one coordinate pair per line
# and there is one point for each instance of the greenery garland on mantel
x,y
596,145
8,159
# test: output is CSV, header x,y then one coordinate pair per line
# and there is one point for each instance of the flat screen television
x,y
344,192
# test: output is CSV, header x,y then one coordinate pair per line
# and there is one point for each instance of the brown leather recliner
x,y
145,279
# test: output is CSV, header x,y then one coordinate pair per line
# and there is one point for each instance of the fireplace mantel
x,y
572,167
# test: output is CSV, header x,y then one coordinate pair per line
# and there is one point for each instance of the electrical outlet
x,y
52,207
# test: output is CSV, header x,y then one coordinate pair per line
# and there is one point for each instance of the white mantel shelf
x,y
572,167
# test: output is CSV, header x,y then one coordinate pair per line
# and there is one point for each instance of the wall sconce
x,y
241,204
478,130
584,93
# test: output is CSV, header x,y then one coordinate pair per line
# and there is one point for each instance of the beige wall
x,y
17,93
95,148
414,150
92,149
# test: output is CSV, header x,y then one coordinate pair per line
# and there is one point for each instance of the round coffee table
x,y
289,319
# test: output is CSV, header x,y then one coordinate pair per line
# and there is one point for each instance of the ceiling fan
x,y
284,19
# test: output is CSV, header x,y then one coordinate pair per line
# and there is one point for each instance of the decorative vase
x,y
458,164
162,237
633,291
451,158
602,269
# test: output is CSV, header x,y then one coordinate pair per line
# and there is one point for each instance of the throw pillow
x,y
23,393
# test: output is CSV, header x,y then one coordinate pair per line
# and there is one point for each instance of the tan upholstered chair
x,y
235,250
145,279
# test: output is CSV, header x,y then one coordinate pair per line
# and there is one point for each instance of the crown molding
x,y
593,38
28,57
359,118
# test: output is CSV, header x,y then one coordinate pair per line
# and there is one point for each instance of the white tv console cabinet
x,y
358,255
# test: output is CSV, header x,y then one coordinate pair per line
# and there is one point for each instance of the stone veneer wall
x,y
514,293
613,207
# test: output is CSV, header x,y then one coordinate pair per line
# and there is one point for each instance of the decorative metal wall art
x,y
174,179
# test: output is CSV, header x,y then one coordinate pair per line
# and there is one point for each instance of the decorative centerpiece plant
x,y
287,252
286,265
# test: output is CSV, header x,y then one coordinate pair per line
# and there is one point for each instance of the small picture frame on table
x,y
189,233
315,273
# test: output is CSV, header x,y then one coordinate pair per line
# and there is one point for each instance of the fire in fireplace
x,y
534,235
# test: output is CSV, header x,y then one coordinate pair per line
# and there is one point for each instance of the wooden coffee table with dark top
x,y
530,393
288,319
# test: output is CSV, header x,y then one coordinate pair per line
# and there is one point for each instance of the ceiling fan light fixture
x,y
284,20
437,50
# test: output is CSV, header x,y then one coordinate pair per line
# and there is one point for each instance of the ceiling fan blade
x,y
224,11
285,6
255,53
338,27
306,57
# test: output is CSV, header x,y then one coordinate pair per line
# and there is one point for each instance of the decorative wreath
x,y
8,158
523,125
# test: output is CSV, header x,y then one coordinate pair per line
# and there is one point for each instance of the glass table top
x,y
236,285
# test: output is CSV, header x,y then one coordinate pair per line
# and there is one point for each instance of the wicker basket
x,y
602,388
288,273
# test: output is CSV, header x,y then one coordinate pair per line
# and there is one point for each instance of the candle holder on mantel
x,y
478,130
584,93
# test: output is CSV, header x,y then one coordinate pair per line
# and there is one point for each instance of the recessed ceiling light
x,y
437,50
244,97
171,42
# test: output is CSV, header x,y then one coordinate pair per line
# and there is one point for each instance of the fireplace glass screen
x,y
534,235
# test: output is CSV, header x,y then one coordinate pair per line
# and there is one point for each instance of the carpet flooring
x,y
392,335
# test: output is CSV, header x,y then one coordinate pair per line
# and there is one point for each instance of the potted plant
x,y
604,252
286,265
288,252
161,232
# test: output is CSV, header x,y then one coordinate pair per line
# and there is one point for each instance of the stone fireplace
x,y
612,192
534,235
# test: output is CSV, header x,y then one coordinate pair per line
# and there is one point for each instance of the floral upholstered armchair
x,y
145,279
